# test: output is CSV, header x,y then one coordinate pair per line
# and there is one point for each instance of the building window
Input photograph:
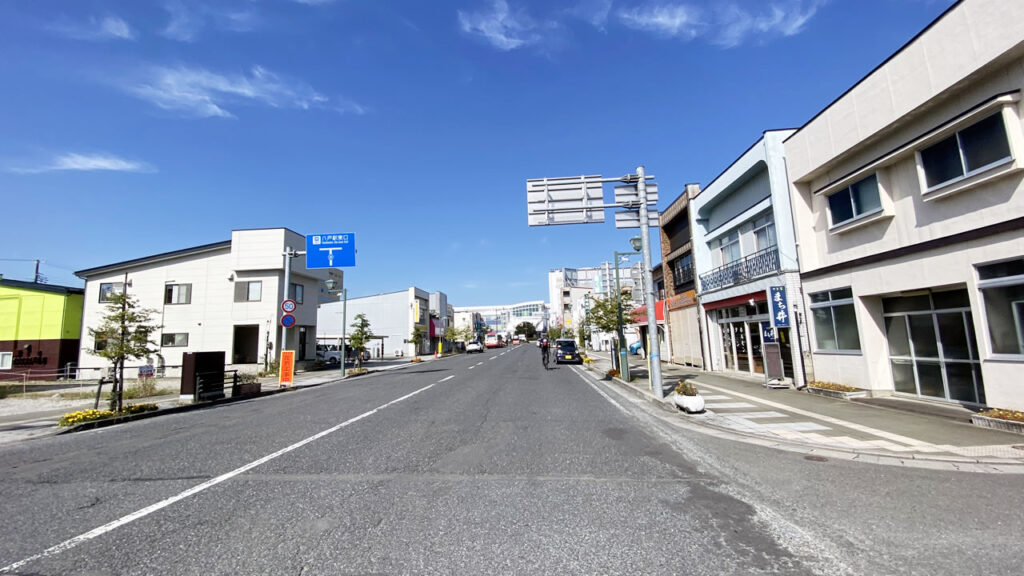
x,y
99,344
6,358
178,294
855,201
109,289
682,270
1002,288
764,232
173,340
295,292
726,249
835,324
248,291
966,152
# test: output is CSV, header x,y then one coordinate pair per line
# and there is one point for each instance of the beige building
x,y
908,200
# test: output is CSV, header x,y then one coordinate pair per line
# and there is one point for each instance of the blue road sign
x,y
287,320
330,250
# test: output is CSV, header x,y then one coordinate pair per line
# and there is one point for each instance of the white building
x,y
217,297
743,244
598,280
503,319
908,196
393,318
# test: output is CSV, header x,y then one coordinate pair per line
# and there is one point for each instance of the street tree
x,y
554,333
360,337
124,334
526,328
418,337
604,313
467,334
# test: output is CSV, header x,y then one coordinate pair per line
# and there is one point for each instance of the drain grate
x,y
816,458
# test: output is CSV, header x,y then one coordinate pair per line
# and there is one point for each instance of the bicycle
x,y
544,357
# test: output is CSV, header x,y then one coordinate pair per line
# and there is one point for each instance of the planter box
x,y
689,404
247,389
836,393
998,424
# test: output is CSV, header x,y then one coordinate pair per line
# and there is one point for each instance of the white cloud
x,y
593,11
188,20
87,163
503,29
183,25
727,24
673,20
106,28
202,93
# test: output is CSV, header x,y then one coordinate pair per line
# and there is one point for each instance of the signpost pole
x,y
652,319
287,279
344,305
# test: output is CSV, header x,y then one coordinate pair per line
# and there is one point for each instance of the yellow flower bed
x,y
73,418
1014,415
82,416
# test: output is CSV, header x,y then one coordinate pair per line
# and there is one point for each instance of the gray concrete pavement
x,y
882,430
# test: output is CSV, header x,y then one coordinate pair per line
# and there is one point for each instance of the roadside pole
x,y
654,372
344,305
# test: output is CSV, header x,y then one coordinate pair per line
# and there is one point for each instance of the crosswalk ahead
x,y
750,415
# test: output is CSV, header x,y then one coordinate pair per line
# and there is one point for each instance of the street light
x,y
637,243
330,284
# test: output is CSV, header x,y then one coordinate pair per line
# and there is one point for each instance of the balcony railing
x,y
754,266
682,275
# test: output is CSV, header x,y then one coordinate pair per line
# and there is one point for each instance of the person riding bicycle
x,y
544,348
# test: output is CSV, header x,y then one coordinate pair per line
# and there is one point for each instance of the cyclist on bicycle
x,y
544,348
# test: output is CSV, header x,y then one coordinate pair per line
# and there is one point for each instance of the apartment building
x,y
224,296
908,199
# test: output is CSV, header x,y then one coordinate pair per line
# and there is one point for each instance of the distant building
x,y
504,319
908,195
599,281
224,296
393,317
678,288
40,330
472,320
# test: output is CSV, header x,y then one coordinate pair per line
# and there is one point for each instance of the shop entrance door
x,y
933,351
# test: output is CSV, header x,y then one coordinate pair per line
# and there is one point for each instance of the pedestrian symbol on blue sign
x,y
330,250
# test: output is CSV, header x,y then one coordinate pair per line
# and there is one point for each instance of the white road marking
x,y
722,405
827,419
471,367
599,391
496,357
96,532
446,379
479,363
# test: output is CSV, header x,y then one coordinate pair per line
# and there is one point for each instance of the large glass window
x,y
178,294
6,359
108,289
729,247
857,200
963,153
835,323
1002,287
682,270
178,339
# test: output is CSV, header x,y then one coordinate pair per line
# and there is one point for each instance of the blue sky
x,y
132,128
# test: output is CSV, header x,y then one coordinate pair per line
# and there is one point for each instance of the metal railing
x,y
754,266
682,275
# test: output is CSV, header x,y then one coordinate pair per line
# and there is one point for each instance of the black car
x,y
566,351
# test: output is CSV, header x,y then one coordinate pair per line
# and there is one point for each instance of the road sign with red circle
x,y
287,320
288,306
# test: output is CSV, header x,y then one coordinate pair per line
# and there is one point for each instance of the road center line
x,y
445,379
96,532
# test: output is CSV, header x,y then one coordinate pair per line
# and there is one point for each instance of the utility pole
x,y
119,386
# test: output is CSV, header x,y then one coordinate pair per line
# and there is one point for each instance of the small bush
x,y
686,388
147,392
1015,415
613,373
139,408
834,386
357,371
248,378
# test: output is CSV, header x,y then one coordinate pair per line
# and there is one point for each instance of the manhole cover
x,y
816,458
1019,447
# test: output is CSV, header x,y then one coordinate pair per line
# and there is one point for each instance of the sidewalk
x,y
40,418
884,430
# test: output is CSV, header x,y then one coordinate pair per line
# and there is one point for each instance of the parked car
x,y
637,348
474,346
566,351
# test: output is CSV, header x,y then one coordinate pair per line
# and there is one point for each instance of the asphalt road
x,y
480,464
